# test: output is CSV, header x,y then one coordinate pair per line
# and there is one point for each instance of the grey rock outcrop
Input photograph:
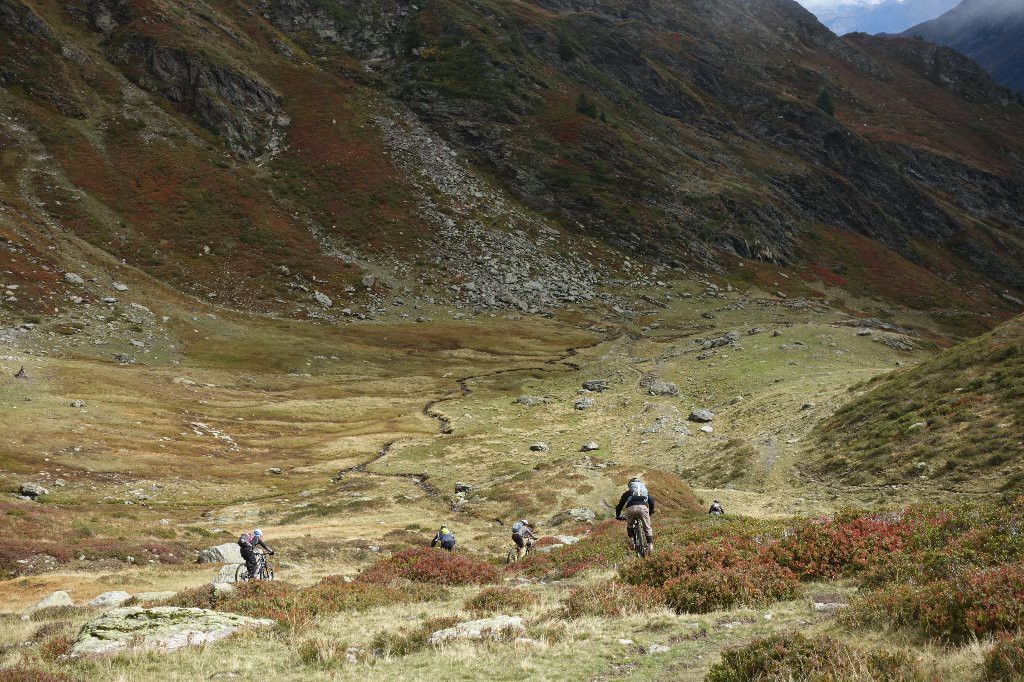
x,y
479,629
589,446
539,447
163,628
245,112
597,385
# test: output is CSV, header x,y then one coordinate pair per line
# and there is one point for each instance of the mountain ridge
x,y
989,31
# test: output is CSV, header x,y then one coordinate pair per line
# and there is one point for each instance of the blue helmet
x,y
258,533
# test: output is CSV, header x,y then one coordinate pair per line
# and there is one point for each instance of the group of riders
x,y
636,504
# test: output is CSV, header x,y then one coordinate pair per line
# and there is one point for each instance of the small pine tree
x,y
825,102
585,106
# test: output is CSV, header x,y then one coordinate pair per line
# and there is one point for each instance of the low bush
x,y
430,566
797,658
501,599
837,548
1004,662
612,600
402,643
973,604
658,569
734,586
329,653
21,674
296,607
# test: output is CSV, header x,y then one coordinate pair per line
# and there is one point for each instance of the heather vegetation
x,y
955,420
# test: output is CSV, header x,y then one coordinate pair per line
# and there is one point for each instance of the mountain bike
x,y
513,555
637,538
264,571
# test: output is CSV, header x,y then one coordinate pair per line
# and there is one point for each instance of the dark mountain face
x,y
991,32
693,131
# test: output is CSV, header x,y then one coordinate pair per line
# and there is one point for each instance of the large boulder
x,y
110,599
228,553
165,628
59,598
227,574
479,629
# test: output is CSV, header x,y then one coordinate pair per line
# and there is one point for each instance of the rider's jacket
x,y
628,499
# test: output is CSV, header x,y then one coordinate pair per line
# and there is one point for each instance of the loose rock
x,y
701,415
59,598
33,490
110,599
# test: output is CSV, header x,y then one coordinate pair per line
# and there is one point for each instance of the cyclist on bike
x,y
716,509
522,535
638,503
444,537
248,543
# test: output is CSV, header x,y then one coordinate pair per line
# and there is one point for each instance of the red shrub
x,y
972,604
20,674
1005,661
430,566
658,569
792,656
719,589
836,548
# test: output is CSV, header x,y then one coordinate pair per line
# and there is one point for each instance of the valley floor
x,y
346,443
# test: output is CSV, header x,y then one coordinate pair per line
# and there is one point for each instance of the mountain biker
x,y
522,535
638,503
248,543
445,537
716,509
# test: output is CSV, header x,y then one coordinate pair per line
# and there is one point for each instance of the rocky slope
x,y
323,159
991,32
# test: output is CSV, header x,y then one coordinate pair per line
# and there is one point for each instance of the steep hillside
x,y
491,155
954,421
991,32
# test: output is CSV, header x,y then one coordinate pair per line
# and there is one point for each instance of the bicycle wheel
x,y
267,573
241,573
510,558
